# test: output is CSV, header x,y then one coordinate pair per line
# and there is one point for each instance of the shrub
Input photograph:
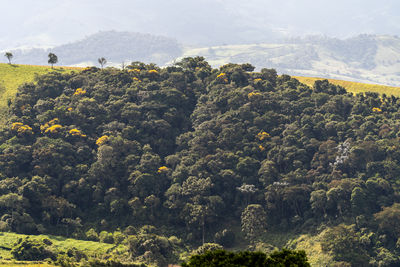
x,y
92,235
106,237
31,250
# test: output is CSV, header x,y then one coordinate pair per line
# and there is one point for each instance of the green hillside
x,y
355,87
56,244
167,160
14,75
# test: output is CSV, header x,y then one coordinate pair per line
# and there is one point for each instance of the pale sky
x,y
200,22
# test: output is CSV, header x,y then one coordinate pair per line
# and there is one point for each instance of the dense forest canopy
x,y
195,151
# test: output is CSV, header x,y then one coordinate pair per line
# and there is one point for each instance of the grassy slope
x,y
355,87
12,76
7,240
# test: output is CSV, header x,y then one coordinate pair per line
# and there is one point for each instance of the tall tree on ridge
x,y
9,56
102,61
53,59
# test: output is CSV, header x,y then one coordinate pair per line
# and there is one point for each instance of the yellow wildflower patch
x,y
80,91
69,109
261,147
153,71
377,110
102,140
257,80
136,79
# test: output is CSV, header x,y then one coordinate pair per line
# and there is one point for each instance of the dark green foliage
x,y
287,257
223,258
152,248
225,237
111,263
192,150
347,245
31,250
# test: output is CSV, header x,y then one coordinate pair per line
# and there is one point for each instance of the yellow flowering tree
x,y
162,169
102,140
153,71
76,132
262,135
222,77
134,70
80,91
21,128
253,95
56,128
47,125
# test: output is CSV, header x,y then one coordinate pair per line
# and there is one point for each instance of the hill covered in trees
x,y
166,159
117,47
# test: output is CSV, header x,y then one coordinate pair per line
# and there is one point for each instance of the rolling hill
x,y
355,87
364,58
116,47
158,159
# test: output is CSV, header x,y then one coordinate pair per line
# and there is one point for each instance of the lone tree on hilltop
x,y
53,59
9,56
102,61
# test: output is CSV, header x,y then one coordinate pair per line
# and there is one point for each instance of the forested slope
x,y
195,152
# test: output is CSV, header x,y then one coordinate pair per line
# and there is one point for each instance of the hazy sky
x,y
200,22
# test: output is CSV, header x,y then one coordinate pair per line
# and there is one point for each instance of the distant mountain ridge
x,y
116,47
364,58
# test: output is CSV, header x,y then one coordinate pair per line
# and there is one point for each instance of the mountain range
x,y
200,23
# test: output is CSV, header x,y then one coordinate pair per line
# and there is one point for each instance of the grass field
x,y
90,248
12,76
355,87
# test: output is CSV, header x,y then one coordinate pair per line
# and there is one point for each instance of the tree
x,y
287,257
388,219
31,250
9,56
102,61
53,59
253,221
344,242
